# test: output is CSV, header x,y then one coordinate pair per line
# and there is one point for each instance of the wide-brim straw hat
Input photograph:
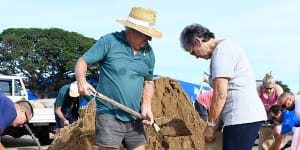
x,y
143,20
73,91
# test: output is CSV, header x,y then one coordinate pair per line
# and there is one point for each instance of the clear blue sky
x,y
267,30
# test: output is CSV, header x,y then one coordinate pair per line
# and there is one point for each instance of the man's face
x,y
22,118
139,39
277,117
287,103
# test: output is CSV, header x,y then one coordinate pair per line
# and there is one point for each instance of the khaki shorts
x,y
111,132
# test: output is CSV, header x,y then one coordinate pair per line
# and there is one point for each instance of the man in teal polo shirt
x,y
126,75
67,105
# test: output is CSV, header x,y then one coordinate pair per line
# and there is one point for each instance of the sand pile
x,y
181,126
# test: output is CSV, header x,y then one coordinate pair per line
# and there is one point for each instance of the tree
x,y
46,57
284,86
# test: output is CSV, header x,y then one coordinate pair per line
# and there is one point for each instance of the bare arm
x,y
1,146
218,100
279,91
220,86
148,93
80,72
60,115
278,142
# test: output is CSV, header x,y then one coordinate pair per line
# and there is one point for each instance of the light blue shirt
x,y
122,73
243,104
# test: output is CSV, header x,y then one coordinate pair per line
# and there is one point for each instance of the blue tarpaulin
x,y
193,90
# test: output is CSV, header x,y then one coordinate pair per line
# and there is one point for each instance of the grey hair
x,y
190,32
25,105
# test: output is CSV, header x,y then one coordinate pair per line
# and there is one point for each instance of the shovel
x,y
74,90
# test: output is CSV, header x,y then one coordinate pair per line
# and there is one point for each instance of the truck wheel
x,y
44,138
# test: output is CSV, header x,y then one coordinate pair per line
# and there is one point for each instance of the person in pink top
x,y
268,92
202,104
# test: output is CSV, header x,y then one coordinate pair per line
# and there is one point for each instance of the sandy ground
x,y
22,143
26,143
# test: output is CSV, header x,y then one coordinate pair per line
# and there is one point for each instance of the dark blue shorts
x,y
241,136
111,132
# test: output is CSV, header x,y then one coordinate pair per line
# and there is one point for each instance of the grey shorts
x,y
111,132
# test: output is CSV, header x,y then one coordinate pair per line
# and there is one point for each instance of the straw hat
x,y
143,20
73,91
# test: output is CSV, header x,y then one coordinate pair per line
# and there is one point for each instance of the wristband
x,y
211,124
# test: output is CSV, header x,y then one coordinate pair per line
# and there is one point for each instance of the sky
x,y
268,30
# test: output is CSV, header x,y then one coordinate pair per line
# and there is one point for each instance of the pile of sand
x,y
181,126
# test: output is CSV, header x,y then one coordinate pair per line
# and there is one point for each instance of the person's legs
x,y
203,112
240,137
109,131
135,138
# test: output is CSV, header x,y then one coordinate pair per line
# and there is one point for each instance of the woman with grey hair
x,y
233,81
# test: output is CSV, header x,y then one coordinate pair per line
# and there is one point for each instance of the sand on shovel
x,y
181,126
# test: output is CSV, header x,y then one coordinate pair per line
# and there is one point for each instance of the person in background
x,y
234,87
67,105
268,92
289,121
126,66
202,104
13,114
290,101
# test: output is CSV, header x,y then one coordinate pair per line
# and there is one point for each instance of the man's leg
x,y
109,132
240,137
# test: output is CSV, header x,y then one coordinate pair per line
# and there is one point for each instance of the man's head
x,y
24,113
275,113
287,100
140,27
194,40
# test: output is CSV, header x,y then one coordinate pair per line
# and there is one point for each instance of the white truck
x,y
43,122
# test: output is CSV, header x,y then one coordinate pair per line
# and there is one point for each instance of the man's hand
x,y
66,123
147,112
84,88
209,134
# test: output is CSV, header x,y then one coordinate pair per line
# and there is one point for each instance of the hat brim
x,y
146,30
73,94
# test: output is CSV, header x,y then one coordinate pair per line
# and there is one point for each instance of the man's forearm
x,y
278,142
80,70
218,100
148,93
1,146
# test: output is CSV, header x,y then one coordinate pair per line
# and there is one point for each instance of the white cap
x,y
73,91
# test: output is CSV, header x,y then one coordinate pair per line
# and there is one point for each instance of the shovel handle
x,y
124,108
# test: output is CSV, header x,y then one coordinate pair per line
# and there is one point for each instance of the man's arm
x,y
61,116
220,86
278,142
148,93
1,146
80,73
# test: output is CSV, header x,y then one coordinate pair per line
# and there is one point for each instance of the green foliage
x,y
46,57
284,86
